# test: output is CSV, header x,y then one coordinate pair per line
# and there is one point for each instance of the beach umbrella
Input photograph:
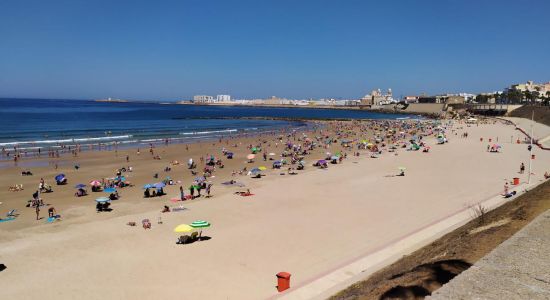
x,y
250,156
200,179
334,157
402,168
183,228
255,170
159,185
262,168
121,178
95,183
148,186
109,190
102,199
271,154
200,224
321,161
59,177
80,186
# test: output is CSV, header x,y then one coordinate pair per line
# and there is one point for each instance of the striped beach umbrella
x,y
200,224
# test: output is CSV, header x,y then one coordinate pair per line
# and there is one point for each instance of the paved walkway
x,y
517,269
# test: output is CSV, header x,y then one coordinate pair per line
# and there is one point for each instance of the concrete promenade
x,y
517,269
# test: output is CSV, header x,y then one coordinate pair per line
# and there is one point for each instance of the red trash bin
x,y
283,281
516,181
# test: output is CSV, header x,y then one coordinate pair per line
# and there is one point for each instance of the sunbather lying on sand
x,y
247,193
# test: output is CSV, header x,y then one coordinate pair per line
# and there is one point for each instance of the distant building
x,y
203,99
410,99
443,99
223,98
530,86
377,98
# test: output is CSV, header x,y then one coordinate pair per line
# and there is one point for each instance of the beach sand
x,y
306,224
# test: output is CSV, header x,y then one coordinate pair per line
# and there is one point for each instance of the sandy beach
x,y
306,224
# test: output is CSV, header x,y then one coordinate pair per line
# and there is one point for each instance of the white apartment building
x,y
223,98
203,99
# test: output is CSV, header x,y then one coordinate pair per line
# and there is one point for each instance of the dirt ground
x,y
419,274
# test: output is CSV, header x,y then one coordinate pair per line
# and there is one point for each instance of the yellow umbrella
x,y
262,168
182,228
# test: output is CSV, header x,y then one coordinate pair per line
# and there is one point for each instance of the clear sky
x,y
166,50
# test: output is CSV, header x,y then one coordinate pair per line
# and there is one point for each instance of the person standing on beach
x,y
127,158
182,194
521,168
38,211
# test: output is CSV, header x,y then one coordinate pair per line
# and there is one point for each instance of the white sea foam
x,y
62,141
208,132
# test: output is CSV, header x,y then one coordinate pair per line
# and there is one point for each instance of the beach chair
x,y
11,213
194,236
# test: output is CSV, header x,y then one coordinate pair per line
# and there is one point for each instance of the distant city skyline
x,y
173,50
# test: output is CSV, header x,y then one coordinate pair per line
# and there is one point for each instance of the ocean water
x,y
29,124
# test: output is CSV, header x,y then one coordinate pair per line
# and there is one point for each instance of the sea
x,y
30,124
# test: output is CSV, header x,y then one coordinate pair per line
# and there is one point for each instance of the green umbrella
x,y
200,224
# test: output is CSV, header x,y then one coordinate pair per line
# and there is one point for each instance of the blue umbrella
x,y
200,179
255,170
159,185
148,186
121,178
80,186
59,177
102,199
109,190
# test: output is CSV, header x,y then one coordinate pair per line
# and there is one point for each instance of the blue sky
x,y
167,50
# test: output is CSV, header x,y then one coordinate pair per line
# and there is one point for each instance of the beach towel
x,y
7,219
246,195
175,200
176,209
54,218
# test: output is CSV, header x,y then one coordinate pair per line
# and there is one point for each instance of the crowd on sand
x,y
287,152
